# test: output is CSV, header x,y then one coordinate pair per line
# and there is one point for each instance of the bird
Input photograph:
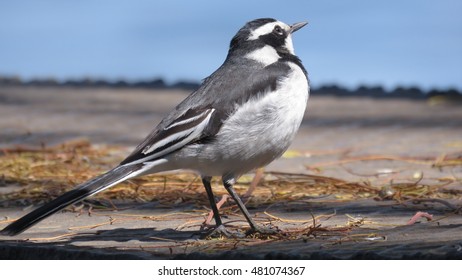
x,y
242,117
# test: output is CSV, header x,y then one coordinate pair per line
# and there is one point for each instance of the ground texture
x,y
365,178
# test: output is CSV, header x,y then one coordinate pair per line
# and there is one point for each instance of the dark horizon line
x,y
159,83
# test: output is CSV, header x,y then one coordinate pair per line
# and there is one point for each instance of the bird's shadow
x,y
138,234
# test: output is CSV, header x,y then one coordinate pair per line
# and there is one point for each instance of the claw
x,y
263,231
221,231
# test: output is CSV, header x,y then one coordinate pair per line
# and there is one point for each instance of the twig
x,y
419,215
316,218
422,160
220,203
52,238
8,221
71,144
93,226
162,239
435,200
256,179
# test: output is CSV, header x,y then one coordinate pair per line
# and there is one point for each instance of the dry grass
x,y
42,174
45,173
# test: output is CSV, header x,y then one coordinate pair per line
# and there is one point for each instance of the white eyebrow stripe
x,y
265,29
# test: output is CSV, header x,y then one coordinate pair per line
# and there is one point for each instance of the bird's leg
x,y
253,226
208,189
220,229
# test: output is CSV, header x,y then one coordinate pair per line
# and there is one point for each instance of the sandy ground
x,y
335,132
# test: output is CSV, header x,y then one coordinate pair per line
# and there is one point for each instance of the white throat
x,y
289,45
266,55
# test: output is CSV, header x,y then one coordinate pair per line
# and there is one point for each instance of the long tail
x,y
104,181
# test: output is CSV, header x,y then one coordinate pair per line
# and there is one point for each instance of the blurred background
x,y
113,65
350,43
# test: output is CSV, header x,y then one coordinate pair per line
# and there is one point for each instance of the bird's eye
x,y
278,30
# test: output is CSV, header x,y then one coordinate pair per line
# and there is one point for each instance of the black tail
x,y
106,180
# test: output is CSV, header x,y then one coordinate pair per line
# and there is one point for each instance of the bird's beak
x,y
296,26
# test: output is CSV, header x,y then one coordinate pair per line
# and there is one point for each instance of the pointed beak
x,y
296,26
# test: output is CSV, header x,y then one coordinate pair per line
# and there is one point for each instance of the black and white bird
x,y
243,116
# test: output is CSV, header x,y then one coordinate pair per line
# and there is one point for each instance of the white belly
x,y
256,134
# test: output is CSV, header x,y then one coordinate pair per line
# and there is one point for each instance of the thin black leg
x,y
213,203
237,199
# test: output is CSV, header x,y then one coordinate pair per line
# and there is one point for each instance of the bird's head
x,y
264,32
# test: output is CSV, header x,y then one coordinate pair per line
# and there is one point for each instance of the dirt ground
x,y
377,142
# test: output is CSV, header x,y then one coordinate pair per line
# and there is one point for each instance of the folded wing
x,y
191,126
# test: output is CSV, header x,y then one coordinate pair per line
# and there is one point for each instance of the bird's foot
x,y
222,231
263,231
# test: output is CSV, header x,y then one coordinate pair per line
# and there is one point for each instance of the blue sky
x,y
390,43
